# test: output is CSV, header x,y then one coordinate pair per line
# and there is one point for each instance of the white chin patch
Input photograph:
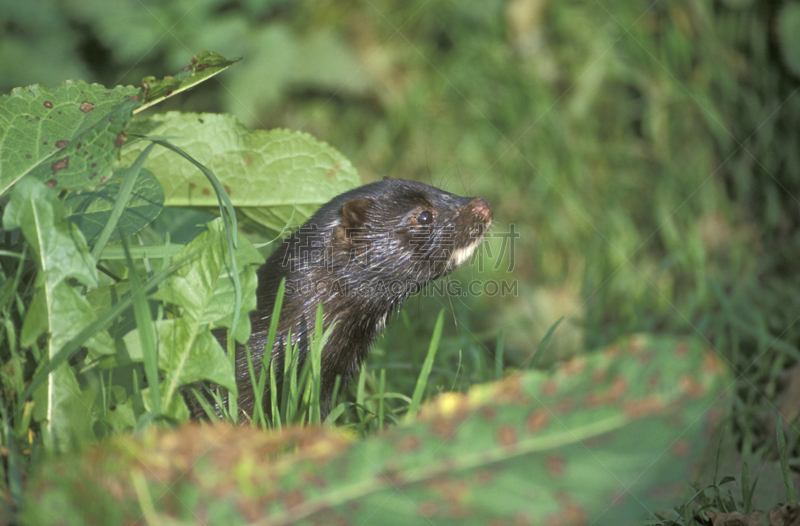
x,y
462,254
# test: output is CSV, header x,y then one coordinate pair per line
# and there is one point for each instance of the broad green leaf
x,y
266,173
63,314
64,408
68,136
203,288
176,408
68,419
202,67
59,246
604,439
187,353
91,210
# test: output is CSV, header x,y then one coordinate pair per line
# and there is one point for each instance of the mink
x,y
361,255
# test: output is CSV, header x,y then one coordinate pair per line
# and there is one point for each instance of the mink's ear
x,y
355,219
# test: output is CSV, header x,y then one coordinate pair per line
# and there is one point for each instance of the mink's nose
x,y
482,208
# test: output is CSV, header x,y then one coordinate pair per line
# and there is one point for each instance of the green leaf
x,y
203,291
202,67
70,417
265,173
63,316
604,438
68,136
91,210
187,353
203,288
65,408
59,246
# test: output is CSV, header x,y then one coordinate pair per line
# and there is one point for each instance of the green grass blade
x,y
422,380
540,349
782,451
498,356
128,182
229,216
147,333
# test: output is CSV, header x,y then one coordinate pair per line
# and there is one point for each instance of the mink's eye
x,y
425,217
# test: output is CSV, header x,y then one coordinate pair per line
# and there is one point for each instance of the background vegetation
x,y
647,153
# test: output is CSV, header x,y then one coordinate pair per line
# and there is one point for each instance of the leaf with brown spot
x,y
613,462
60,165
81,122
202,67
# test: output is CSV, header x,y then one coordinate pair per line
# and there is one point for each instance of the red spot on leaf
x,y
61,144
574,366
428,508
408,444
554,464
293,498
227,189
563,407
599,375
644,407
51,183
192,186
206,191
549,388
60,165
688,384
86,107
48,104
506,436
120,139
484,476
537,421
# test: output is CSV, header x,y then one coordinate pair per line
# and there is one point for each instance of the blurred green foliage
x,y
646,152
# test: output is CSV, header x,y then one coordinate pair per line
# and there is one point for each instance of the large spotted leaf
x,y
68,136
607,438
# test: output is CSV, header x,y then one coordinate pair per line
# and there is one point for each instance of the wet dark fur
x,y
362,254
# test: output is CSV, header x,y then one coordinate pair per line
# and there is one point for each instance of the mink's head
x,y
395,236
